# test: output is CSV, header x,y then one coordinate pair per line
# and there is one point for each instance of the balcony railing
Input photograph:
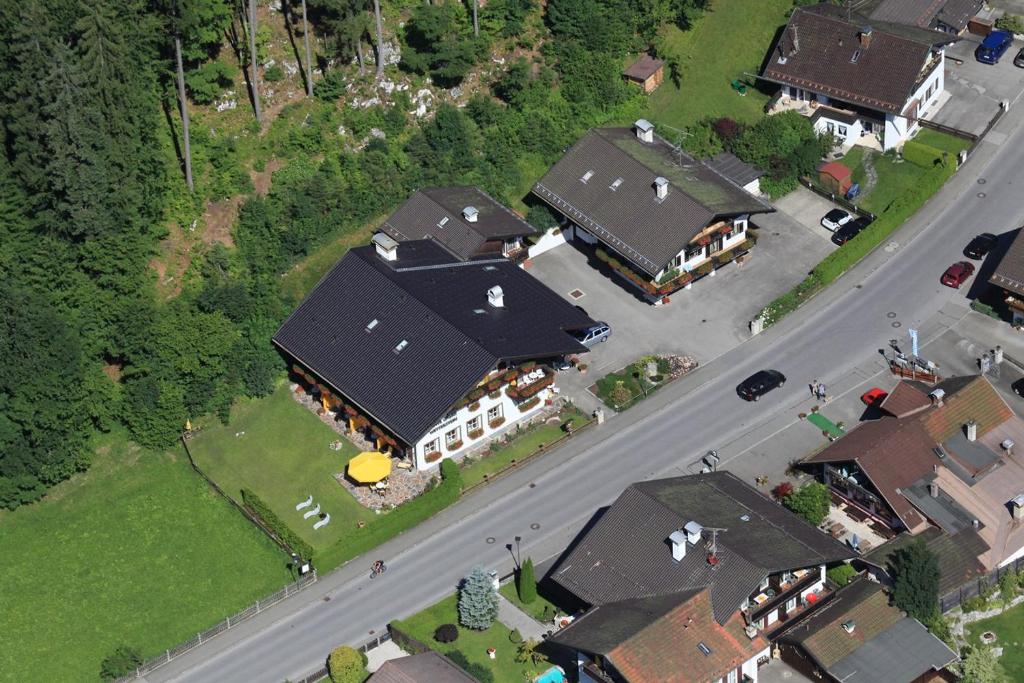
x,y
790,591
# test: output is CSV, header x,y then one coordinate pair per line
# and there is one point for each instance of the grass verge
x,y
541,609
137,551
1009,630
623,388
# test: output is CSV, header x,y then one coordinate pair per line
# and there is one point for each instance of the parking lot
x,y
706,320
975,89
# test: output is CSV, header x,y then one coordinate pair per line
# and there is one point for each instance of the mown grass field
x,y
729,40
1009,630
138,551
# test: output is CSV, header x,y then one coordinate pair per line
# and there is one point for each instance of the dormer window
x,y
443,222
615,185
587,176
372,324
401,346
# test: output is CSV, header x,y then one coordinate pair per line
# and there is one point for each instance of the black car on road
x,y
850,230
981,245
760,383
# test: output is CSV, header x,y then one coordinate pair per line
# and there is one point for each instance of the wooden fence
x,y
976,587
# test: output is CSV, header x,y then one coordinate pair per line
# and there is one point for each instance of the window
x,y
494,413
694,252
830,127
764,584
434,445
842,131
475,424
676,262
452,437
790,605
732,678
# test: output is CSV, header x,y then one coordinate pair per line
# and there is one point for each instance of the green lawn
x,y
298,281
472,644
137,551
541,609
731,38
522,447
1009,630
947,143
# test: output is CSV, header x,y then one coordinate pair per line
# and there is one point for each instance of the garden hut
x,y
646,72
835,177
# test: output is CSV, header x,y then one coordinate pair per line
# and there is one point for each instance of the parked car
x,y
873,396
980,245
1018,387
596,333
957,274
1019,59
850,230
835,219
760,383
993,47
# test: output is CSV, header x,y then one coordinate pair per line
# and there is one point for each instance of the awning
x,y
369,467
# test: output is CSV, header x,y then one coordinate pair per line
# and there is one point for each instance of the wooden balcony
x,y
789,591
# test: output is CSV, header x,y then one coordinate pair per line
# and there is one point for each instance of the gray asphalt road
x,y
549,500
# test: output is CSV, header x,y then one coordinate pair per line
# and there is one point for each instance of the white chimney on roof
x,y
972,430
661,187
936,396
496,297
470,214
644,130
1017,503
678,540
693,531
387,248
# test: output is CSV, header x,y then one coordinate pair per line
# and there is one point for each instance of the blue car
x,y
993,47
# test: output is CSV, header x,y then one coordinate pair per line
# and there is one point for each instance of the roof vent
x,y
387,248
660,188
751,631
936,396
865,37
704,648
678,540
849,626
586,176
615,185
693,531
644,130
496,297
372,324
470,214
855,56
443,222
401,346
972,430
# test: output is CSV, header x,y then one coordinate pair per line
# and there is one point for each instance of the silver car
x,y
596,333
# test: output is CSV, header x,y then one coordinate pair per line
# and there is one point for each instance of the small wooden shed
x,y
646,72
835,177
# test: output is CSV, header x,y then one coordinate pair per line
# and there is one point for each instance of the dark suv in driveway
x,y
850,230
993,47
760,383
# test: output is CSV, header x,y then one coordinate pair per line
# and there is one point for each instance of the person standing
x,y
814,389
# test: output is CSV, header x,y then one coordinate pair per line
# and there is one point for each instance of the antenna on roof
x,y
713,546
677,149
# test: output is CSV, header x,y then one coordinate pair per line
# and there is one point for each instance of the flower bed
x,y
529,405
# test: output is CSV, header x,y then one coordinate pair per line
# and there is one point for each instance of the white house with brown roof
x,y
865,83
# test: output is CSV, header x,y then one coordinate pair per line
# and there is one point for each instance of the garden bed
x,y
621,389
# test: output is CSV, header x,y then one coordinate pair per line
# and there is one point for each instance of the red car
x,y
873,396
957,274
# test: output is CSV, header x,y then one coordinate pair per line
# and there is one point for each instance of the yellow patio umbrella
x,y
369,467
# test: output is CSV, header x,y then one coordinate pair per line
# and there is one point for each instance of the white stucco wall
x,y
853,130
750,666
509,411
740,223
899,129
551,239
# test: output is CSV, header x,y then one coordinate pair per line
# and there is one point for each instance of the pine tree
x,y
526,583
915,571
478,601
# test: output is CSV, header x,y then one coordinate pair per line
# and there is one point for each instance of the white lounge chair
x,y
306,503
323,522
313,512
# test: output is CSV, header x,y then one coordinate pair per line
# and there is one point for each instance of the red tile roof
x,y
977,401
905,400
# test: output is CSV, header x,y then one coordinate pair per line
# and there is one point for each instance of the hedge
x,y
924,155
842,259
280,529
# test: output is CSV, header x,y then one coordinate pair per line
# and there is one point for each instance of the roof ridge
x,y
839,20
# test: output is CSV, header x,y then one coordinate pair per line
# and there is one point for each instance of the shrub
x,y
478,601
975,604
207,82
782,490
478,671
1014,23
841,574
1008,586
446,633
810,501
273,74
984,309
526,583
256,505
515,636
924,155
123,661
347,665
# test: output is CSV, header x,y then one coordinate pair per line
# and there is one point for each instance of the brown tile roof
x,y
906,399
1009,273
977,400
958,554
427,667
817,50
659,638
643,68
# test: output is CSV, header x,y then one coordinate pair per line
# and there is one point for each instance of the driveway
x,y
975,89
705,321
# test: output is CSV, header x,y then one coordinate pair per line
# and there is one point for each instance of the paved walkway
x,y
516,619
382,653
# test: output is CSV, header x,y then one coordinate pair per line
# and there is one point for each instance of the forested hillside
x,y
141,266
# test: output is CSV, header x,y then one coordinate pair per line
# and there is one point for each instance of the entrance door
x,y
716,244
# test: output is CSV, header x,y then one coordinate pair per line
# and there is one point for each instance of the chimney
x,y
972,430
693,531
660,187
936,397
644,130
496,297
1007,445
865,37
1017,506
849,626
933,490
678,540
387,248
470,214
796,39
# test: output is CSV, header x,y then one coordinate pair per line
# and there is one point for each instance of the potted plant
x,y
491,652
582,367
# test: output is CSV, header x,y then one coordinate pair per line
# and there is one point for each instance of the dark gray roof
x,y
629,218
437,213
900,654
840,115
736,170
436,303
626,554
1010,272
957,555
941,510
926,14
821,58
427,667
958,13
605,627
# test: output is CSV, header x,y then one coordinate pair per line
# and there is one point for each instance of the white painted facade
x,y
773,617
688,259
552,238
450,436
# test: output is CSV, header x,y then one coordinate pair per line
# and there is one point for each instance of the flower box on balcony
x,y
494,385
474,406
475,433
455,445
432,456
528,405
521,392
494,394
528,366
476,394
496,422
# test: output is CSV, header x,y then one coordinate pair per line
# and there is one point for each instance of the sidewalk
x,y
518,620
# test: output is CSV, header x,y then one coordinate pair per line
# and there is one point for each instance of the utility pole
x,y
309,57
252,62
183,103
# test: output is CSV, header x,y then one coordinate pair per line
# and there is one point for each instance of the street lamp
x,y
515,555
519,562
